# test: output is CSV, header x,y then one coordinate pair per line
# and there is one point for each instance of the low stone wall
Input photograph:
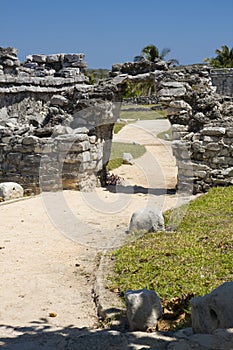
x,y
46,102
59,65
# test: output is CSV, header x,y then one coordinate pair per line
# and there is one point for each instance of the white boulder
x,y
10,190
149,219
213,310
127,158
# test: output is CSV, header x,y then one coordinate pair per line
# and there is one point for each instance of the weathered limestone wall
x,y
223,80
55,130
202,121
202,124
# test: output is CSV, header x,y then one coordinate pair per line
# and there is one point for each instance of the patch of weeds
x,y
114,163
118,127
193,259
118,148
165,135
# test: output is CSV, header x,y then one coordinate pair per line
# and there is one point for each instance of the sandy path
x,y
49,243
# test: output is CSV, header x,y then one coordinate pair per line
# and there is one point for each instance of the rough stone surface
x,y
11,190
46,91
144,309
127,158
201,120
214,310
42,100
147,219
222,78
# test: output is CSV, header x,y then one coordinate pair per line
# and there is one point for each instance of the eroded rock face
x,y
202,124
144,309
213,310
55,129
48,91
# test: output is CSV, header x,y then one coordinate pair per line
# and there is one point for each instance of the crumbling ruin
x,y
56,129
202,121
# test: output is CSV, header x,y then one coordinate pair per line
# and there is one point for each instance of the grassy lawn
x,y
192,260
131,112
118,148
134,106
118,127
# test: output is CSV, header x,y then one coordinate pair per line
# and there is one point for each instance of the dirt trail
x,y
49,243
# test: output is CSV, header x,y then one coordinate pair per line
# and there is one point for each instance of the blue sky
x,y
115,31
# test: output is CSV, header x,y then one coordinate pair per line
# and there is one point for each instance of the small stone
x,y
59,100
53,58
213,131
39,58
127,158
144,309
52,314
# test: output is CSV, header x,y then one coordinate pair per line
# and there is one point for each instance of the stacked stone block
x,y
40,65
222,78
55,130
202,124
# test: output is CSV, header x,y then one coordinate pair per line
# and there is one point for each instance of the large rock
x,y
213,310
149,219
10,190
144,309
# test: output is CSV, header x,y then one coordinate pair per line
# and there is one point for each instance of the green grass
x,y
135,106
114,163
118,148
195,258
131,112
118,127
142,115
165,135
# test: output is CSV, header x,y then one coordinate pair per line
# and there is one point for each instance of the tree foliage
x,y
152,53
224,58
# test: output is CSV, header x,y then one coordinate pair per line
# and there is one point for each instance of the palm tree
x,y
151,53
224,58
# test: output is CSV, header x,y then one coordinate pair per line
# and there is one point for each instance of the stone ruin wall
x,y
201,119
222,78
55,129
52,121
202,125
